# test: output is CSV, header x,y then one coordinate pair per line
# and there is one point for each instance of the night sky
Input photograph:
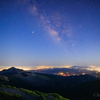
x,y
49,33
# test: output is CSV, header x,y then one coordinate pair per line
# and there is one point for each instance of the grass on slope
x,y
9,96
24,94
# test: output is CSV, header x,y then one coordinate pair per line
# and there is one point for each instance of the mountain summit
x,y
14,69
10,71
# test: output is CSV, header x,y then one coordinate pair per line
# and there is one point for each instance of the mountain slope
x,y
69,87
89,89
10,71
9,93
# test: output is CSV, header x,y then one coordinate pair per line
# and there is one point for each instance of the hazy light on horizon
x,y
91,68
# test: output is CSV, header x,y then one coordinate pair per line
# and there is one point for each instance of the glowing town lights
x,y
43,67
61,73
64,74
83,73
97,72
67,75
74,74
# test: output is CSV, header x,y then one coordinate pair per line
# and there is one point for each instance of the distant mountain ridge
x,y
10,71
13,69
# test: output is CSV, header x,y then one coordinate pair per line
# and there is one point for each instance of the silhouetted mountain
x,y
13,69
10,71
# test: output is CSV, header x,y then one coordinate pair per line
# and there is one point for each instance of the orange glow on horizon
x,y
83,73
91,68
7,67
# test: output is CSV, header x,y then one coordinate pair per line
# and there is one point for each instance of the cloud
x,y
80,67
92,66
66,67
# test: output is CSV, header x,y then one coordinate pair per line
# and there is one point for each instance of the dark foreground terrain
x,y
13,93
83,87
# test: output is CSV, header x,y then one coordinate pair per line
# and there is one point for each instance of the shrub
x,y
8,86
41,97
9,96
38,92
2,85
14,87
29,92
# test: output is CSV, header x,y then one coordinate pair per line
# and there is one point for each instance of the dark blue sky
x,y
49,32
